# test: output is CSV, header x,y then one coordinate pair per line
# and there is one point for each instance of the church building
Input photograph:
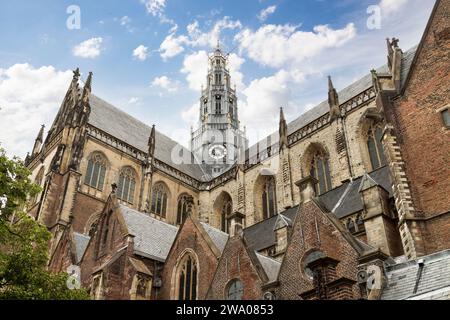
x,y
350,200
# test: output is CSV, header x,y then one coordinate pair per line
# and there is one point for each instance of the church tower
x,y
219,140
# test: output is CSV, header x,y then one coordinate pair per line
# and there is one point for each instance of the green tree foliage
x,y
24,242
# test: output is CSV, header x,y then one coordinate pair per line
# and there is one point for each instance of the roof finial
x,y
283,130
333,100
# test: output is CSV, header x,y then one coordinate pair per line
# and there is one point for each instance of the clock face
x,y
217,152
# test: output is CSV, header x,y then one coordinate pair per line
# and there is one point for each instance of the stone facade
x,y
96,158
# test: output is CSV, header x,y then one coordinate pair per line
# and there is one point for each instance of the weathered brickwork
x,y
313,231
410,217
192,239
236,263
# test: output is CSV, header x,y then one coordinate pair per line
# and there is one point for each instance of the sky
x,y
149,57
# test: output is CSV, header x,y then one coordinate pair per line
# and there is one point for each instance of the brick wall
x,y
236,263
312,230
189,238
423,140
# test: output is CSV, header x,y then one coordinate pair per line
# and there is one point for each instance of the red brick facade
x,y
237,263
313,231
191,239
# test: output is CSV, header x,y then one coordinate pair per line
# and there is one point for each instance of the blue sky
x,y
149,56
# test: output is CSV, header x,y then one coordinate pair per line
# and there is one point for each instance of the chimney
x,y
307,188
236,224
281,229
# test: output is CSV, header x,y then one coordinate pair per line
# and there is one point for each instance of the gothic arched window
x,y
127,185
159,200
320,170
95,172
375,147
184,202
269,198
187,279
226,212
235,290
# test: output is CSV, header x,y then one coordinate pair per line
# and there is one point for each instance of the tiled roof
x,y
219,238
270,266
408,280
81,242
152,238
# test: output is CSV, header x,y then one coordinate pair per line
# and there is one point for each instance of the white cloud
x,y
191,114
141,53
278,45
263,98
155,7
89,49
391,6
234,65
264,14
125,20
174,45
165,83
29,97
133,100
196,67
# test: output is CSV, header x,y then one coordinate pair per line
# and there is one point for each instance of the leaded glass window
x,y
235,290
187,280
320,170
96,171
269,198
226,212
159,200
184,202
375,147
127,185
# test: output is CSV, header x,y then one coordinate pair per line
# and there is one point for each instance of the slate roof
x,y
81,243
406,282
261,236
217,236
346,199
153,238
270,266
130,130
344,95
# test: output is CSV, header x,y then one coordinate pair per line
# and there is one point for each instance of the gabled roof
x,y
271,267
219,238
261,235
346,199
152,238
81,243
410,281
